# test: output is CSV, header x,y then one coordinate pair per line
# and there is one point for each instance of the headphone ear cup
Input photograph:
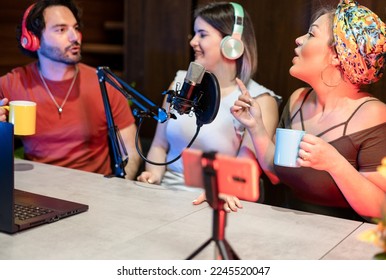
x,y
231,47
28,40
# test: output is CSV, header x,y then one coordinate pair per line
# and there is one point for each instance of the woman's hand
x,y
148,177
246,110
316,153
232,203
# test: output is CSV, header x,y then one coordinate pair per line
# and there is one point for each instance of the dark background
x,y
147,41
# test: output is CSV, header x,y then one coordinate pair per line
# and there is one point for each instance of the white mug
x,y
287,146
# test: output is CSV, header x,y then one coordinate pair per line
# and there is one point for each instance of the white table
x,y
132,220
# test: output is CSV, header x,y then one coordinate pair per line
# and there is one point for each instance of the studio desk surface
x,y
136,221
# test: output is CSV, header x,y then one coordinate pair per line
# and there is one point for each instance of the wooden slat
x,y
102,48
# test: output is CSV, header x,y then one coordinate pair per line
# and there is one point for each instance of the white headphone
x,y
232,47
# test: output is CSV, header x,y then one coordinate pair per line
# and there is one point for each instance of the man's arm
x,y
128,136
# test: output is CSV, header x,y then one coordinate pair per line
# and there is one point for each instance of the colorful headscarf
x,y
360,42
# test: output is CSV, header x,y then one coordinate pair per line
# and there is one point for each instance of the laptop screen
x,y
6,177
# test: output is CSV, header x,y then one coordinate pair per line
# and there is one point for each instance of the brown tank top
x,y
345,123
364,150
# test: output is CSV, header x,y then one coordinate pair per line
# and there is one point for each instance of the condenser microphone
x,y
200,94
185,98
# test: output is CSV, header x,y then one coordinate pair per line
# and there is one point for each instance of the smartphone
x,y
235,176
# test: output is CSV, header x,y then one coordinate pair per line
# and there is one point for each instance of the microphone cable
x,y
161,163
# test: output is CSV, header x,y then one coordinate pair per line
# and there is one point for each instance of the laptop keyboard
x,y
23,212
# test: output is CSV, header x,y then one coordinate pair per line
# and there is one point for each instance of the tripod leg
x,y
226,251
195,253
232,253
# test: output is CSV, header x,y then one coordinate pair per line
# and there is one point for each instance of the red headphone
x,y
28,40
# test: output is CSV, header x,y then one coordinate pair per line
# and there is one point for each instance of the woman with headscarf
x,y
345,140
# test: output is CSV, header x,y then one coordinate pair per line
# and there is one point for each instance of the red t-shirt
x,y
78,137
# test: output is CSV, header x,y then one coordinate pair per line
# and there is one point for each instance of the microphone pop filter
x,y
210,100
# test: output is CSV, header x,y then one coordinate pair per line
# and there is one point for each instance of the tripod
x,y
219,214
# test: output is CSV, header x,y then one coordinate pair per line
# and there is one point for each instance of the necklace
x,y
60,108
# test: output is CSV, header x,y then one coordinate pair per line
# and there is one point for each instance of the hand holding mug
x,y
3,111
22,114
316,153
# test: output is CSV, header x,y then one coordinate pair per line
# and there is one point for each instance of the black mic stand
x,y
119,153
219,214
118,150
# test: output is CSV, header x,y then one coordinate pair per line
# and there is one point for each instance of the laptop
x,y
20,210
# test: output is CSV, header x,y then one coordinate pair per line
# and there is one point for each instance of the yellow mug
x,y
23,116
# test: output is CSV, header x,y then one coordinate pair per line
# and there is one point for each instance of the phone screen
x,y
235,176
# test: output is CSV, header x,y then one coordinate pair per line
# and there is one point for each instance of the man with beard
x,y
71,126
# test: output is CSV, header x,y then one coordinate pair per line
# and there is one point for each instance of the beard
x,y
57,55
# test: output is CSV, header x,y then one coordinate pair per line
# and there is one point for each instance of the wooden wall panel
x,y
157,43
275,35
10,15
157,46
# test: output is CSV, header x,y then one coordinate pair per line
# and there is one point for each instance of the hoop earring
x,y
333,84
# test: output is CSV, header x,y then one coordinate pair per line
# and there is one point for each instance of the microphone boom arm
x,y
118,150
149,109
205,103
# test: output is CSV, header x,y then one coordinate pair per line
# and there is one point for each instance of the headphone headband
x,y
239,18
232,47
28,40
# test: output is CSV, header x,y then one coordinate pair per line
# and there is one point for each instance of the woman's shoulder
x,y
255,89
368,112
298,97
180,75
179,78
